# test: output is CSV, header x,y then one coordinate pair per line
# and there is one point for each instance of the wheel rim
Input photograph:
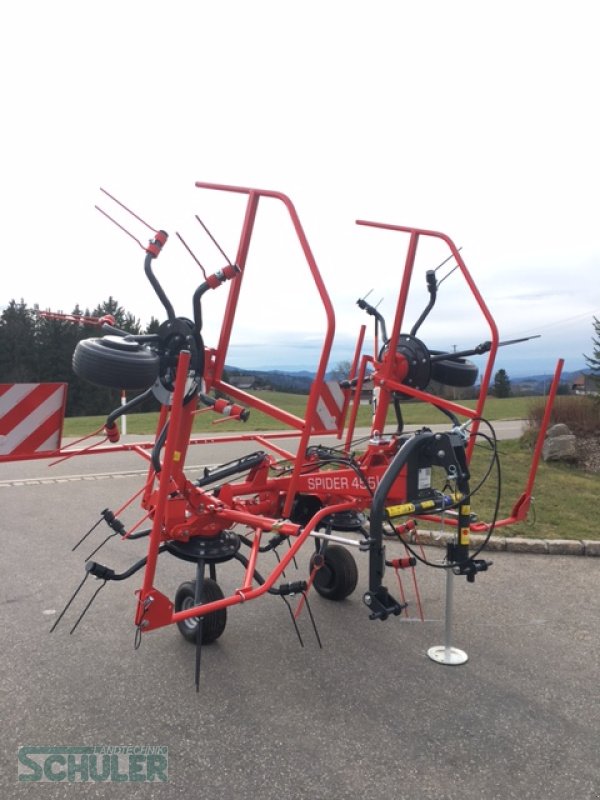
x,y
191,622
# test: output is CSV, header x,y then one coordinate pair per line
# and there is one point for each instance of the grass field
x,y
413,413
564,496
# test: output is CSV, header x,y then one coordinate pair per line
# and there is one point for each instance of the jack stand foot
x,y
447,655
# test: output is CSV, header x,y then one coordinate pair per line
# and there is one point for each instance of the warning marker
x,y
330,408
31,418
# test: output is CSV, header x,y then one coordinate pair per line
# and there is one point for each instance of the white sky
x,y
476,119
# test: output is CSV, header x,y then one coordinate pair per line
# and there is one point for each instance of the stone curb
x,y
514,544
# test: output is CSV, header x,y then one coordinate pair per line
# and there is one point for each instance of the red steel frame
x,y
216,362
386,379
387,375
261,502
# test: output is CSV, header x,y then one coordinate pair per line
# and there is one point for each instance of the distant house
x,y
584,384
366,396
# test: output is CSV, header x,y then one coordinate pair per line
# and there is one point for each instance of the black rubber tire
x,y
116,363
213,624
459,372
338,576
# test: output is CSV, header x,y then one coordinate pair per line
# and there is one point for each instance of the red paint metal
x,y
262,500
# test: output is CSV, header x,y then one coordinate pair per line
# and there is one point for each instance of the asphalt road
x,y
213,453
367,716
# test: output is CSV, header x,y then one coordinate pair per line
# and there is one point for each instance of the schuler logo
x,y
96,764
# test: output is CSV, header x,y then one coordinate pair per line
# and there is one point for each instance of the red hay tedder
x,y
271,500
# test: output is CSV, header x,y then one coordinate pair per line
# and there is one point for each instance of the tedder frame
x,y
276,499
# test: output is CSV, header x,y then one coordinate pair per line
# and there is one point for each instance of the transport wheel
x,y
213,624
453,371
115,362
338,576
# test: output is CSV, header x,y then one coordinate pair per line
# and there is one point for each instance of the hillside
x,y
299,381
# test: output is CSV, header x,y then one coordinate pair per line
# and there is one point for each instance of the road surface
x,y
368,716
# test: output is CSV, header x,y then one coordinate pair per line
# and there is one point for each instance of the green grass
x,y
413,413
564,497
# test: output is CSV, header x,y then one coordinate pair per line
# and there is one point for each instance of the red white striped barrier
x,y
31,418
330,408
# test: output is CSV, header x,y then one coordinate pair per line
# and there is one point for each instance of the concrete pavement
x,y
103,467
368,716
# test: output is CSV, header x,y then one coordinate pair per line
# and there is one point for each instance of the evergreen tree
x,y
152,326
35,348
502,384
593,361
17,344
55,341
123,319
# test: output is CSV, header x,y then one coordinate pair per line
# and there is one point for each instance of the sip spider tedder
x,y
276,500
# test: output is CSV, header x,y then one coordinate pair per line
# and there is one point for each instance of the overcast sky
x,y
476,119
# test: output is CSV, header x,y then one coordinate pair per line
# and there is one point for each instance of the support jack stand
x,y
446,654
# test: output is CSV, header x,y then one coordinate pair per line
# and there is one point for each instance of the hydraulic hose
x,y
377,548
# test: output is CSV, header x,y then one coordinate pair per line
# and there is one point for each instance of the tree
x,y
502,384
17,344
594,360
153,325
55,341
35,348
123,319
341,371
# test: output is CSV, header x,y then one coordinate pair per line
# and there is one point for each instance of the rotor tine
x,y
197,600
93,553
74,595
85,535
278,561
447,275
285,600
401,587
312,619
129,211
294,557
445,261
214,241
181,239
102,585
417,595
198,654
114,221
